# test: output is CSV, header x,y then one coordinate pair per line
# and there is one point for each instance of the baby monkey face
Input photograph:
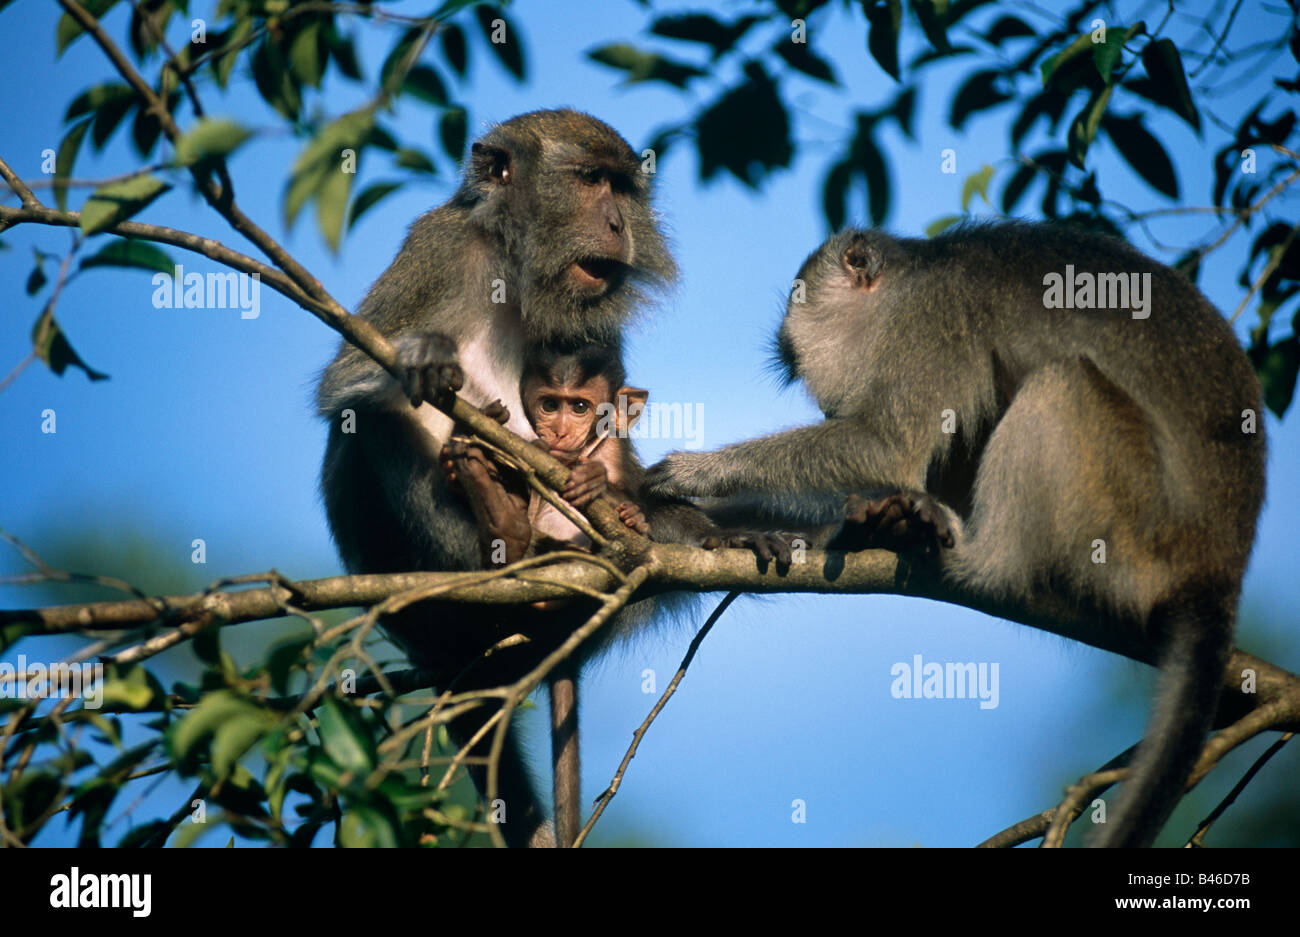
x,y
564,415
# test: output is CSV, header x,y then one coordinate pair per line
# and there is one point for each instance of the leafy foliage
x,y
277,765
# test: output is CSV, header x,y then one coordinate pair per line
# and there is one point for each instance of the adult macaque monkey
x,y
550,236
1092,434
577,401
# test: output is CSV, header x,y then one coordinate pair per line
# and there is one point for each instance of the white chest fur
x,y
492,359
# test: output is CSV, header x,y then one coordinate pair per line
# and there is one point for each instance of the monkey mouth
x,y
596,273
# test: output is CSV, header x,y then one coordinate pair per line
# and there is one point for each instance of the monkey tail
x,y
1196,626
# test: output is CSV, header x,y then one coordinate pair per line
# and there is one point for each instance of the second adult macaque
x,y
984,415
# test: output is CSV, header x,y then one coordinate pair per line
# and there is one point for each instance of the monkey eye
x,y
499,170
580,407
550,405
589,175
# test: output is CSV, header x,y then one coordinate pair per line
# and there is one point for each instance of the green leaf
x,y
132,253
746,131
453,129
1008,27
454,49
118,201
388,72
1083,129
307,54
284,655
69,29
344,737
332,206
510,52
452,7
343,51
835,194
1053,64
144,833
236,735
1277,373
1016,188
1106,54
208,139
108,118
1143,152
1169,82
978,93
798,56
318,172
408,157
92,99
872,160
885,19
366,828
942,224
644,66
129,687
423,82
213,711
37,278
53,347
69,146
977,182
275,80
702,28
380,137
933,17
224,63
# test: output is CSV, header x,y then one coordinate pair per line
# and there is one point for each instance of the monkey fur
x,y
550,236
567,396
976,418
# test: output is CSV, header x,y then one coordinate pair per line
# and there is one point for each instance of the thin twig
x,y
603,800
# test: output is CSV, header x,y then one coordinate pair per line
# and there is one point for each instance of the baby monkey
x,y
576,400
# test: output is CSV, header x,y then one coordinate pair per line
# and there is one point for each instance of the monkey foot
x,y
902,521
503,520
766,546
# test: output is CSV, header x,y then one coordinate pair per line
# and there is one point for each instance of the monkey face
x,y
563,197
564,415
830,310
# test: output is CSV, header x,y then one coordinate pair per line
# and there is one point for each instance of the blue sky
x,y
206,430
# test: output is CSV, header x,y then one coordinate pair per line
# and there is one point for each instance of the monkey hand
x,y
633,517
902,521
429,366
766,546
685,474
587,481
496,410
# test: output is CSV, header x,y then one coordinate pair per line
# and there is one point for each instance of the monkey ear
x,y
491,164
631,402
